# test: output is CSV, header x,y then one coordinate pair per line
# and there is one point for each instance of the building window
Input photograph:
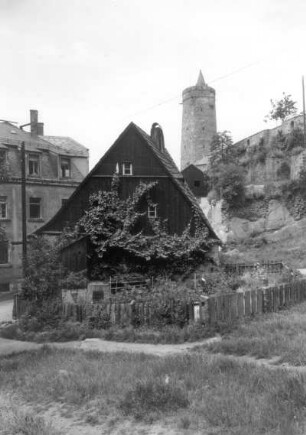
x,y
196,183
3,207
127,168
65,167
292,124
64,200
3,158
33,164
4,252
152,211
35,208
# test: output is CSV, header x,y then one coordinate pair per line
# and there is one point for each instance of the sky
x,y
90,67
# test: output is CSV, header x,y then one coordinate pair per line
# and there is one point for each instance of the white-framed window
x,y
127,168
152,211
3,207
33,164
65,167
35,208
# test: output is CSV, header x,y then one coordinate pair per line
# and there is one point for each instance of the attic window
x,y
33,164
65,167
127,168
152,211
196,183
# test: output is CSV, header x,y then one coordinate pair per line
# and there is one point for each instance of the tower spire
x,y
201,82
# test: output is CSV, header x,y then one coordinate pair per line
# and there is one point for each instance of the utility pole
x,y
24,209
304,116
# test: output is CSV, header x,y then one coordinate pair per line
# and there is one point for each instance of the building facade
x,y
136,157
54,168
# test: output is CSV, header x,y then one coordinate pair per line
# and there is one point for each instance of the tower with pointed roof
x,y
199,124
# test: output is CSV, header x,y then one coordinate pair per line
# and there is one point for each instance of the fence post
x,y
247,303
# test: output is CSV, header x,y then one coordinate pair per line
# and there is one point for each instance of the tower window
x,y
33,164
152,211
127,168
65,167
35,208
3,207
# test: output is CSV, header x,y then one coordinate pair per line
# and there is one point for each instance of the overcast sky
x,y
92,66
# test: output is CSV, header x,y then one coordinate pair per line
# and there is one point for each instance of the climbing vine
x,y
121,232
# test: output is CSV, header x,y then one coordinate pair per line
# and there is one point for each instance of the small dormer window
x,y
65,167
33,164
152,211
127,168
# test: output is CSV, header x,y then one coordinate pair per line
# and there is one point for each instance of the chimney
x,y
40,128
157,136
34,122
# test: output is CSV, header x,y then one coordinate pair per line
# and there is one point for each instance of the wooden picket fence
x,y
241,268
137,313
216,309
228,308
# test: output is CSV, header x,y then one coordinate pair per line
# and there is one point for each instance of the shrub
x,y
153,396
42,314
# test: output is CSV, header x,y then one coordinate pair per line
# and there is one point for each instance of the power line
x,y
179,96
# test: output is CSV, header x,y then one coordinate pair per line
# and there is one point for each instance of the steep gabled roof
x,y
166,161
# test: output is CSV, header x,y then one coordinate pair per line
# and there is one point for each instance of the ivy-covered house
x,y
135,159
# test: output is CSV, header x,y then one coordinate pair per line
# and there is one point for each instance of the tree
x,y
282,108
121,232
43,272
221,148
225,173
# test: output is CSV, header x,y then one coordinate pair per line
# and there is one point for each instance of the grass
x,y
192,392
16,422
69,331
281,334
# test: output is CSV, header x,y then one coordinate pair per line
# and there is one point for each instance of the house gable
x,y
174,198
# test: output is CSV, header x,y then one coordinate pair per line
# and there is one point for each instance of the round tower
x,y
199,123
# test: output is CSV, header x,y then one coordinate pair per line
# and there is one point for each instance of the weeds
x,y
194,391
17,422
280,334
153,396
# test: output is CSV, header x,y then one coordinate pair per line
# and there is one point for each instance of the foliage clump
x,y
226,175
121,232
43,270
282,108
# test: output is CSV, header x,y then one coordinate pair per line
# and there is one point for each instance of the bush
x,y
153,396
41,315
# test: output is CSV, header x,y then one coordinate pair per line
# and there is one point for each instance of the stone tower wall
x,y
199,124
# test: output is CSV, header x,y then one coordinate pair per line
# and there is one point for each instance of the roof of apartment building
x,y
12,135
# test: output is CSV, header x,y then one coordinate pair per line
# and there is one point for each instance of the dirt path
x,y
8,347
